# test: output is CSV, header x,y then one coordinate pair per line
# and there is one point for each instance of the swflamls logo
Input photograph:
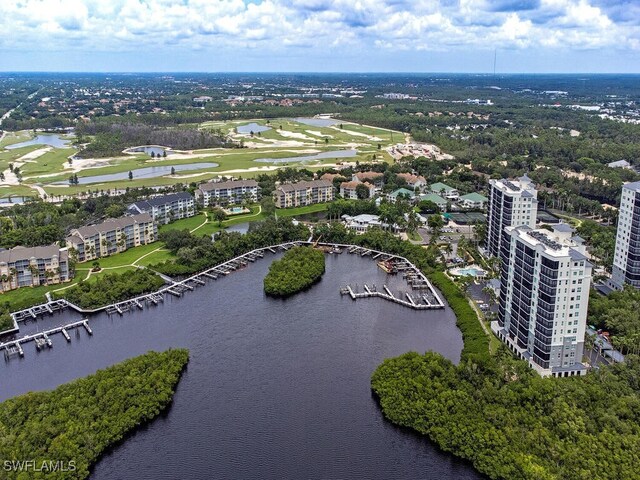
x,y
39,466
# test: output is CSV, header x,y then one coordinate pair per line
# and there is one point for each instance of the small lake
x,y
149,149
317,122
53,140
12,200
147,172
311,158
252,127
274,390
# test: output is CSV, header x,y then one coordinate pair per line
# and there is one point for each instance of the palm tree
x,y
35,275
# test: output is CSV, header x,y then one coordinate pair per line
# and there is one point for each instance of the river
x,y
275,389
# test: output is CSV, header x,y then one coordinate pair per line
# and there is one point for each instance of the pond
x,y
52,140
146,172
275,389
311,158
12,200
317,122
157,150
252,127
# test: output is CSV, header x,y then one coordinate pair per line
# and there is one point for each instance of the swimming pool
x,y
472,271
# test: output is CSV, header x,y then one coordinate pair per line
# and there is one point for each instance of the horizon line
x,y
302,72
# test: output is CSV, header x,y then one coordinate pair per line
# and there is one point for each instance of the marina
x,y
427,299
260,369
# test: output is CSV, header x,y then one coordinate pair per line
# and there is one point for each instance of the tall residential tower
x,y
511,203
544,292
626,261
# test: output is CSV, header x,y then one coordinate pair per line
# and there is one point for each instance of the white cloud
x,y
315,25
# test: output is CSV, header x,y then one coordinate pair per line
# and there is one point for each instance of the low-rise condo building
x,y
33,266
227,193
303,193
114,235
349,190
166,208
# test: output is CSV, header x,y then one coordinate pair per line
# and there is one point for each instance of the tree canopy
x,y
76,422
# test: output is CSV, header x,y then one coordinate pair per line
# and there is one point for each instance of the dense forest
x,y
112,287
110,139
299,268
511,423
619,314
71,426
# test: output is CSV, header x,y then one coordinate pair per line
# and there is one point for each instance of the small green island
x,y
66,430
298,269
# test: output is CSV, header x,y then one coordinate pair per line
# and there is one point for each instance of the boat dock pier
x,y
417,304
33,312
41,339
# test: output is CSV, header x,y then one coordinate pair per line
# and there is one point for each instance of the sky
x,y
526,36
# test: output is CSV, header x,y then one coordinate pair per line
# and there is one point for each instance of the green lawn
x,y
26,297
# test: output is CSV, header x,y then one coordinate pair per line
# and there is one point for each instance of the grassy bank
x,y
476,342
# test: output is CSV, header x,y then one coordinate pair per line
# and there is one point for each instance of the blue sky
x,y
536,36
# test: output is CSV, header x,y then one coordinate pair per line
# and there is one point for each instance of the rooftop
x,y
25,253
433,197
228,184
402,191
474,197
523,184
556,244
292,187
439,187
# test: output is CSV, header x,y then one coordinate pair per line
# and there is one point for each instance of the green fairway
x,y
293,140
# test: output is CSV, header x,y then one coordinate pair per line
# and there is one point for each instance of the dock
x,y
41,339
369,292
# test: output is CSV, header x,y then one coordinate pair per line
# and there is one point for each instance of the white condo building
x,y
626,261
544,293
511,203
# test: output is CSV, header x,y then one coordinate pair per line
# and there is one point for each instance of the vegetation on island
x,y
112,288
196,253
299,268
74,424
511,423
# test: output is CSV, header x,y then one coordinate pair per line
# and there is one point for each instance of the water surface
x,y
252,127
52,140
274,389
317,122
146,172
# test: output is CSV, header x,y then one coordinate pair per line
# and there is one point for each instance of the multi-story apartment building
x,y
114,235
33,266
511,203
626,260
544,294
227,193
374,178
303,193
166,208
350,189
